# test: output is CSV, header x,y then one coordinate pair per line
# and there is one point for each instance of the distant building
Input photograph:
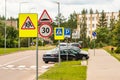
x,y
12,23
92,21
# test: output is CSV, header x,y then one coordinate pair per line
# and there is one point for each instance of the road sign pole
x,y
37,58
67,48
59,26
94,46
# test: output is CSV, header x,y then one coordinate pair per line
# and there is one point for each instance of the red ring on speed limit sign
x,y
45,30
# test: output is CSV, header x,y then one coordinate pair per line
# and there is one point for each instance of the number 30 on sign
x,y
45,30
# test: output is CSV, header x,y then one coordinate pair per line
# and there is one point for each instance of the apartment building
x,y
12,23
92,21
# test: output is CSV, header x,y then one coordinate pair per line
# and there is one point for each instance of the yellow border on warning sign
x,y
34,21
59,37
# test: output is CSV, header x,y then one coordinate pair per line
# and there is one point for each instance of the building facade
x,y
92,21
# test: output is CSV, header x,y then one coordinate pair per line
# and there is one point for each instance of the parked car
x,y
63,44
76,44
65,53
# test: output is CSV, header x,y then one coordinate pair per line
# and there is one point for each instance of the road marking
x,y
0,65
16,60
10,66
45,67
21,66
33,67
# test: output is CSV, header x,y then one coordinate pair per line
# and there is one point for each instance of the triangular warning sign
x,y
45,17
28,24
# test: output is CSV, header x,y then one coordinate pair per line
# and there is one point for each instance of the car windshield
x,y
72,51
75,44
62,44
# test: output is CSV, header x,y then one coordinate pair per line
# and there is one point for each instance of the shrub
x,y
117,50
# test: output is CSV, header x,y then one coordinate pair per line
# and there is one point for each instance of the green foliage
x,y
116,34
100,44
72,21
71,70
24,42
102,20
83,28
117,50
102,35
60,18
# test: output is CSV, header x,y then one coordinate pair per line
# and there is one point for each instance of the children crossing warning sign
x,y
28,25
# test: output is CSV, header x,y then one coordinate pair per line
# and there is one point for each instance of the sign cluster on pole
x,y
45,28
94,35
60,33
28,27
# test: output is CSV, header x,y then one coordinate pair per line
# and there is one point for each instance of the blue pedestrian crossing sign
x,y
59,33
67,32
94,34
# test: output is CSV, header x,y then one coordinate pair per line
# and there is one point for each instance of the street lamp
x,y
20,12
29,38
5,24
58,3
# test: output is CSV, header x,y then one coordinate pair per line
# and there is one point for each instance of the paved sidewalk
x,y
102,66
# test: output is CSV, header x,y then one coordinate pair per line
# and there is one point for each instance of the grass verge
x,y
4,51
108,49
71,70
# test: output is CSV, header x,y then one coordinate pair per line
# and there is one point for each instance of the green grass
x,y
71,70
117,56
85,49
4,51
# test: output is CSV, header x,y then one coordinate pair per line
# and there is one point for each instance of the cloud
x,y
66,6
84,2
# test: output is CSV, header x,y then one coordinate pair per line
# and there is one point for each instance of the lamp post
x,y
20,12
58,3
30,38
5,24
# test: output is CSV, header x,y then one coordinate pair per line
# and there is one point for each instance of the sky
x,y
67,7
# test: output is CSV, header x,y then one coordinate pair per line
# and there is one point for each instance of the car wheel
x,y
83,58
46,61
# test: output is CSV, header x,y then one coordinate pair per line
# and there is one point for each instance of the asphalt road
x,y
21,65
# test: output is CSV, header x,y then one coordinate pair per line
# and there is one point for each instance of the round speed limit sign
x,y
45,30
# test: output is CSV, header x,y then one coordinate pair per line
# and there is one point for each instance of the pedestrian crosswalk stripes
x,y
22,67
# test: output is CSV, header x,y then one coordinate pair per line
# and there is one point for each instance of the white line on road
x,y
16,60
10,66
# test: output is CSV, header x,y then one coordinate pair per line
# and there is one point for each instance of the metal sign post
x,y
67,33
37,58
28,27
94,35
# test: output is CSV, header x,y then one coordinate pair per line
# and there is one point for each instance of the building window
x,y
93,25
93,18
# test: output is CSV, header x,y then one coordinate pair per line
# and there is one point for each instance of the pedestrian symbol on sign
x,y
28,24
58,32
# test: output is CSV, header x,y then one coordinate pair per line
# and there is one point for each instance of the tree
x,y
116,34
102,20
91,11
72,21
102,35
83,28
61,18
2,34
11,37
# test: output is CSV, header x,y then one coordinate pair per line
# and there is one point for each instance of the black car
x,y
65,54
